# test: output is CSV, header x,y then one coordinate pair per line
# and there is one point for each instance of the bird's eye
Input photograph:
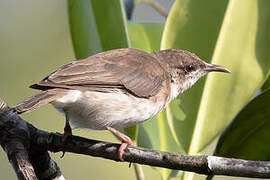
x,y
189,68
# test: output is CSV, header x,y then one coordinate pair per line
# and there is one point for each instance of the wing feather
x,y
132,69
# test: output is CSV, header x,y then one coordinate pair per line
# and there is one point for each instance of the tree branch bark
x,y
27,146
28,161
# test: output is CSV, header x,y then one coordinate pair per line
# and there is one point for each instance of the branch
x,y
29,162
156,6
41,142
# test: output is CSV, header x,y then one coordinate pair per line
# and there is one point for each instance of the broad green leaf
x,y
248,135
192,25
92,31
154,133
266,84
242,47
111,23
145,36
84,32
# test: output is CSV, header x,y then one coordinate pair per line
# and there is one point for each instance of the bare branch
x,y
17,148
29,162
40,142
208,165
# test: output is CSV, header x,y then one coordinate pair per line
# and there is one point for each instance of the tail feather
x,y
38,100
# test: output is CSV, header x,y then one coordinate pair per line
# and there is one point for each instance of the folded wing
x,y
129,69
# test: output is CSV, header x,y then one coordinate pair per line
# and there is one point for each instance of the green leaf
x,y
111,23
92,31
266,84
132,132
248,135
194,25
145,36
83,29
242,47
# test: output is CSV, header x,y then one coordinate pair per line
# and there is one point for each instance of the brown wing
x,y
131,69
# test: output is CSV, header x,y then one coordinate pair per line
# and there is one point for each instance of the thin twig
x,y
139,172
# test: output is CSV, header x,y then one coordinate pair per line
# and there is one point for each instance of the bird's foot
x,y
66,135
67,132
126,141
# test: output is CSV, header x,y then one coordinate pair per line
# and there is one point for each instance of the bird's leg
x,y
67,131
125,142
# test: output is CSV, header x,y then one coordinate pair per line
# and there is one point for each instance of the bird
x,y
117,88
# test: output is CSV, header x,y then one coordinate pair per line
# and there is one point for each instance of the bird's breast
x,y
98,110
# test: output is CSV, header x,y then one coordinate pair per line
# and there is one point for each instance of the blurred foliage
x,y
249,133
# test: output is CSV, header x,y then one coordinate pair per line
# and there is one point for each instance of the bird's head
x,y
185,68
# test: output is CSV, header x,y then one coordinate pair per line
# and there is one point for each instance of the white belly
x,y
97,110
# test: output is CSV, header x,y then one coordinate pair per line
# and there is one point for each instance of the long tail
x,y
38,100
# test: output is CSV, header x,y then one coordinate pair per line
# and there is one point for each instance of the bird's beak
x,y
217,68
